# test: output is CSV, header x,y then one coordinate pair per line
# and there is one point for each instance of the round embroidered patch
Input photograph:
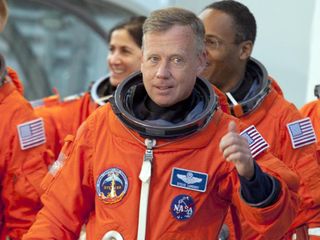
x,y
112,185
182,207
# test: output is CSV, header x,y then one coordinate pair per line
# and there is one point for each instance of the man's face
x,y
223,64
170,64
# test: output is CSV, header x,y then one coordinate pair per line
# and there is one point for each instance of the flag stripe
x,y
33,136
34,140
257,144
311,138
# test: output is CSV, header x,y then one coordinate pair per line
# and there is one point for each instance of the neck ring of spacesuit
x,y
126,90
95,89
247,106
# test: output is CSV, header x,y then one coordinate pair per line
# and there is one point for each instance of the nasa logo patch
x,y
112,185
182,207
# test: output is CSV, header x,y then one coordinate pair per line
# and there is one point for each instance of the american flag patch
x,y
301,133
257,144
31,133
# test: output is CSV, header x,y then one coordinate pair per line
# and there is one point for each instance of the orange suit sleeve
x,y
24,170
304,160
67,203
273,221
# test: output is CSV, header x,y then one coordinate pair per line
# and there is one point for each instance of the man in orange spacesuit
x,y
257,99
22,164
160,160
312,110
22,161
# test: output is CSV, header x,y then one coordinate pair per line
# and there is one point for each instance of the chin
x,y
205,74
114,81
163,103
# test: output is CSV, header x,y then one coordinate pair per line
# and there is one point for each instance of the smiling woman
x,y
124,55
123,59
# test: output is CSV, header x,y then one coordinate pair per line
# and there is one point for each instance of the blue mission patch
x,y
112,185
182,207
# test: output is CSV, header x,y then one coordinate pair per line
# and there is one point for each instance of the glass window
x,y
58,44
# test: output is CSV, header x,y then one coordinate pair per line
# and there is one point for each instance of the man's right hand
x,y
235,149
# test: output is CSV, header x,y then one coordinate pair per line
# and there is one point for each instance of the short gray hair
x,y
164,19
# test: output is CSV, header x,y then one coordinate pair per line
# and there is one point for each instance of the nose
x,y
114,57
163,71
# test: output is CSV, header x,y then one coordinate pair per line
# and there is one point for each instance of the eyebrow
x,y
212,36
121,46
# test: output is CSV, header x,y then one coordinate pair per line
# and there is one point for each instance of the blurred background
x,y
62,43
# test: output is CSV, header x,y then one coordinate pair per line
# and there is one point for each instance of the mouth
x,y
163,87
163,90
117,71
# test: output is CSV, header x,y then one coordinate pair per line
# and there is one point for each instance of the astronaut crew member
x,y
161,160
255,98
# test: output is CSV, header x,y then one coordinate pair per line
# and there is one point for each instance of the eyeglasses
x,y
212,43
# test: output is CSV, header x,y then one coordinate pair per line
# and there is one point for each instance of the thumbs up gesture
x,y
236,149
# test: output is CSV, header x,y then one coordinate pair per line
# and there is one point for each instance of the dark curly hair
x,y
134,27
244,21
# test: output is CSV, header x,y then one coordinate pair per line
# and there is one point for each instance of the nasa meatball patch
x,y
112,185
182,207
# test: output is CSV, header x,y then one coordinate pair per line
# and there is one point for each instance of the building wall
x,y
314,50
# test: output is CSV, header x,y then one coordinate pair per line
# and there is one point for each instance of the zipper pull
x,y
145,172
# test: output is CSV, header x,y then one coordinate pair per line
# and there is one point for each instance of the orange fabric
x,y
64,118
312,110
21,171
271,119
276,86
15,79
57,165
51,100
222,99
103,143
302,233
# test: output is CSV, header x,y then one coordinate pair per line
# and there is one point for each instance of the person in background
x,y
3,14
312,110
256,99
124,58
160,160
22,153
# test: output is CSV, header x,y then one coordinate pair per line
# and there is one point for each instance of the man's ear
x,y
246,49
202,58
